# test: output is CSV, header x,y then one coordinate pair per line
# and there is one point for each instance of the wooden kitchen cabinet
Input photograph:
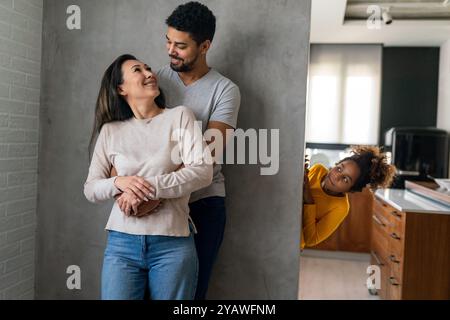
x,y
412,250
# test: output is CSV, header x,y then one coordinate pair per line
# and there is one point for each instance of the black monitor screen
x,y
426,154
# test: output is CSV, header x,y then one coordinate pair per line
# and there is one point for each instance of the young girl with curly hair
x,y
325,200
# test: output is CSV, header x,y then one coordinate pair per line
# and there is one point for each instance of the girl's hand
x,y
306,167
307,194
305,176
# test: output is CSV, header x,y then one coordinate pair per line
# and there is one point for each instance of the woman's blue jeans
x,y
165,266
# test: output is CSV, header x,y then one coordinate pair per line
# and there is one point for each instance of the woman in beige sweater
x,y
146,143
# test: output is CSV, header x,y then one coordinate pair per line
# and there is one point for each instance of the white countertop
x,y
407,201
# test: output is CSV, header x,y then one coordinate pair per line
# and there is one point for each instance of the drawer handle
x,y
393,281
396,214
395,236
377,220
380,202
393,259
375,256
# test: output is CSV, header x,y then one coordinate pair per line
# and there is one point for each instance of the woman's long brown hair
x,y
111,106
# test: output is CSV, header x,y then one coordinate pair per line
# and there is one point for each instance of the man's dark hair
x,y
194,18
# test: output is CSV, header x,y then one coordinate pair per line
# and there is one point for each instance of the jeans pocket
x,y
115,237
122,243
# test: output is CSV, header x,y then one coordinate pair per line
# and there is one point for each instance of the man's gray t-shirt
x,y
212,98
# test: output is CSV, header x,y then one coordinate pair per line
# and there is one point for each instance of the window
x,y
344,94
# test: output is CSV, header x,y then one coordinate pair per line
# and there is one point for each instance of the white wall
x,y
443,116
20,56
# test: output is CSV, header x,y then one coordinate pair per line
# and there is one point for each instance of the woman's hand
x,y
135,185
128,203
132,206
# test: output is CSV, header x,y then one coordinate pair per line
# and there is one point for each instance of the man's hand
x,y
132,206
154,206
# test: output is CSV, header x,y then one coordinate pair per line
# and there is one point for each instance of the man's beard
x,y
183,67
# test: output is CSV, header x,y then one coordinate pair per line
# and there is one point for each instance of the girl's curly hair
x,y
375,170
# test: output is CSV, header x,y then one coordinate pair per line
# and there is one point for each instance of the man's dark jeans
x,y
209,216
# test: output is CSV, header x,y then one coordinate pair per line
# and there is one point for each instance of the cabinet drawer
x,y
380,221
380,238
383,292
397,221
395,266
381,208
396,241
393,216
394,288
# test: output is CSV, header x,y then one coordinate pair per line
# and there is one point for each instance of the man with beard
x,y
215,101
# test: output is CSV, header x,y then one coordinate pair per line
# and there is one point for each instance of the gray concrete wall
x,y
263,47
20,65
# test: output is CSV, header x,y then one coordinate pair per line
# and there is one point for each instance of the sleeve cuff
x,y
115,191
154,182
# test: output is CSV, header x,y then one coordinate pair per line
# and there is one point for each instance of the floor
x,y
327,275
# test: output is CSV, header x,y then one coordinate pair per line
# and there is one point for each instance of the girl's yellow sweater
x,y
323,217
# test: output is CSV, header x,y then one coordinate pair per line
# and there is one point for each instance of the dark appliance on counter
x,y
419,153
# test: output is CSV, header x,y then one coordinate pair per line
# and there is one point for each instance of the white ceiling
x,y
401,9
328,26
